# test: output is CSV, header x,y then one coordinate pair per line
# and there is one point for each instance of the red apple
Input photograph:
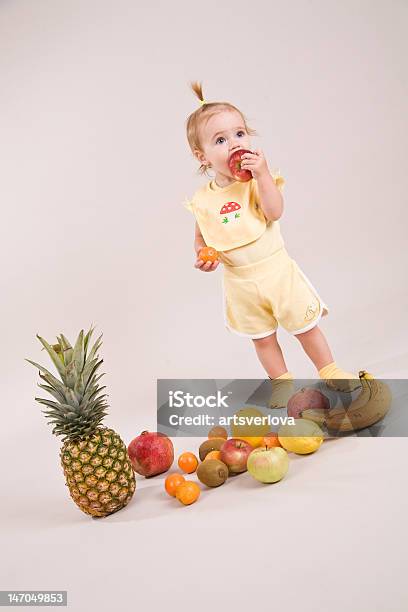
x,y
309,403
234,453
151,453
234,164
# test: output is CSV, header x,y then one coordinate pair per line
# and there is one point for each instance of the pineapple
x,y
95,461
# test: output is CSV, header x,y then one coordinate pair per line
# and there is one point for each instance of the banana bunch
x,y
368,408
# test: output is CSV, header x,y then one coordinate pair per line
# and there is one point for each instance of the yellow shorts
x,y
259,296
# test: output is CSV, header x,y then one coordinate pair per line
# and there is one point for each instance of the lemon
x,y
303,437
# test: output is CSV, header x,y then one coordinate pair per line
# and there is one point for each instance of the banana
x,y
368,408
347,385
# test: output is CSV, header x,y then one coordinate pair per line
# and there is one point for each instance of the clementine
x,y
188,492
172,482
254,441
208,254
213,455
271,440
188,462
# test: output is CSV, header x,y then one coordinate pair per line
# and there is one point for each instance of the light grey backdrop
x,y
95,166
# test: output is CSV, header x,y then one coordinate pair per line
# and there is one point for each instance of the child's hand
x,y
206,266
255,162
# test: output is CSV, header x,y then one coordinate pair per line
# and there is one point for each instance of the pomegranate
x,y
151,453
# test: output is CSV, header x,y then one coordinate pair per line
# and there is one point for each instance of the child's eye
x,y
222,137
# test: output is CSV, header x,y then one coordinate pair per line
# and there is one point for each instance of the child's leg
x,y
316,347
271,356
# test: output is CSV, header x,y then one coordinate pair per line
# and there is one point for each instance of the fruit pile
x,y
99,469
263,454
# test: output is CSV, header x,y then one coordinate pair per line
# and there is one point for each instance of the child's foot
x,y
338,379
282,389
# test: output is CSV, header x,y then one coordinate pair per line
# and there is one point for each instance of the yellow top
x,y
231,217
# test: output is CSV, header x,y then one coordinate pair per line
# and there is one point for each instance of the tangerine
x,y
271,440
254,441
208,254
188,492
188,462
213,455
172,482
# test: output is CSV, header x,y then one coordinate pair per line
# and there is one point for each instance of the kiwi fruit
x,y
210,445
212,472
218,432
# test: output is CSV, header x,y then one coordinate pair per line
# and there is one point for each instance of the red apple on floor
x,y
151,453
234,453
234,164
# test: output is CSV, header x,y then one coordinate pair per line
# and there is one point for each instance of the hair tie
x,y
202,102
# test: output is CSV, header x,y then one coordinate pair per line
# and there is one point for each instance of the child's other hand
x,y
207,266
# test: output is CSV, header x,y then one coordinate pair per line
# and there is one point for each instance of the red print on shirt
x,y
230,212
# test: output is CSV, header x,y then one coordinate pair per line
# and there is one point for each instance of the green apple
x,y
268,464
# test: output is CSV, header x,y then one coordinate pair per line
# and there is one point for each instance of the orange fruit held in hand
x,y
188,492
172,482
208,254
213,455
271,440
188,462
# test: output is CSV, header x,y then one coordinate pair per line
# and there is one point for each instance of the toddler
x,y
262,285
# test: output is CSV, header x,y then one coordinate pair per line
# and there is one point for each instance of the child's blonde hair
x,y
203,113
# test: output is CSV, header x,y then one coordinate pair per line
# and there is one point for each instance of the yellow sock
x,y
346,380
282,390
285,376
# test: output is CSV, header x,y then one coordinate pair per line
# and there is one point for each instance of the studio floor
x,y
330,536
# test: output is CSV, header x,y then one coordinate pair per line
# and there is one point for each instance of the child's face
x,y
222,134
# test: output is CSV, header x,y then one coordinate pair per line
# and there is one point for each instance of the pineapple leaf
x,y
97,405
61,408
98,390
98,401
66,348
78,355
71,375
54,356
58,350
87,338
90,370
79,387
50,377
58,396
95,347
54,383
72,398
50,422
